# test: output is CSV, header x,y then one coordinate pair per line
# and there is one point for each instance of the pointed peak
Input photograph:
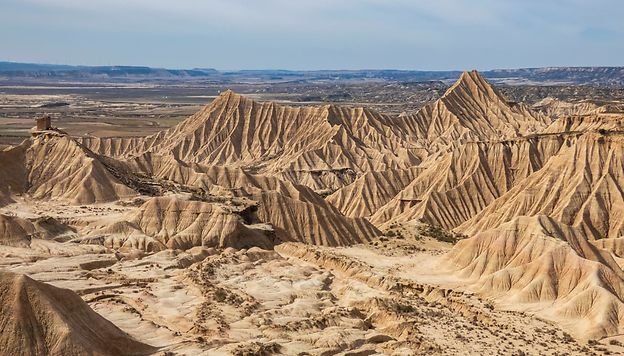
x,y
227,96
470,81
228,93
471,75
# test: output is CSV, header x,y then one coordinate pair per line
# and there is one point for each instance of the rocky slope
x,y
55,166
39,319
472,110
322,147
256,197
580,186
540,264
171,223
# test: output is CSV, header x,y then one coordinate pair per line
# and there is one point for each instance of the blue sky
x,y
314,34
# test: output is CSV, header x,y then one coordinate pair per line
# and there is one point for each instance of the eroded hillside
x,y
475,225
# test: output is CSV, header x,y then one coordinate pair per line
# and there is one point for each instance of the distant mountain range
x,y
601,76
12,69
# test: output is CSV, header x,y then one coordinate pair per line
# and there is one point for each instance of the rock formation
x,y
540,202
54,166
537,263
322,147
39,319
580,186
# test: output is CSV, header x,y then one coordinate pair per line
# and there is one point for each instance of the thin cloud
x,y
441,34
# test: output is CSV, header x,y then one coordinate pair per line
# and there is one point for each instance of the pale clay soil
x,y
297,299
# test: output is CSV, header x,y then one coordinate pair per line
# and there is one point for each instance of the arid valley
x,y
452,216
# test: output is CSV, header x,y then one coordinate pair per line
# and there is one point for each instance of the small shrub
x,y
390,233
220,295
404,308
567,338
438,233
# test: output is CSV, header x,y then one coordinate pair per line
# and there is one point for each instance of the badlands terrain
x,y
476,224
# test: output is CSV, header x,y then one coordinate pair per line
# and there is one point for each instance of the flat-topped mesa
x,y
44,122
43,125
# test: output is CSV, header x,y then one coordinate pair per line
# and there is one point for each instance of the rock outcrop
x,y
40,319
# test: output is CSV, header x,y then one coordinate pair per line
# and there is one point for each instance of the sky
x,y
314,34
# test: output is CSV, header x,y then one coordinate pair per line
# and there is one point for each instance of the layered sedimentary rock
x,y
295,211
372,190
560,109
537,263
585,123
479,146
169,222
471,110
54,166
541,204
453,186
580,186
323,147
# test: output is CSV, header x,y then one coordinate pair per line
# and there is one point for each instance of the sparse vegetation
x,y
220,295
322,289
257,349
403,308
438,233
567,338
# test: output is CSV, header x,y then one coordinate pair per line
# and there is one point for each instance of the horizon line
x,y
302,70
